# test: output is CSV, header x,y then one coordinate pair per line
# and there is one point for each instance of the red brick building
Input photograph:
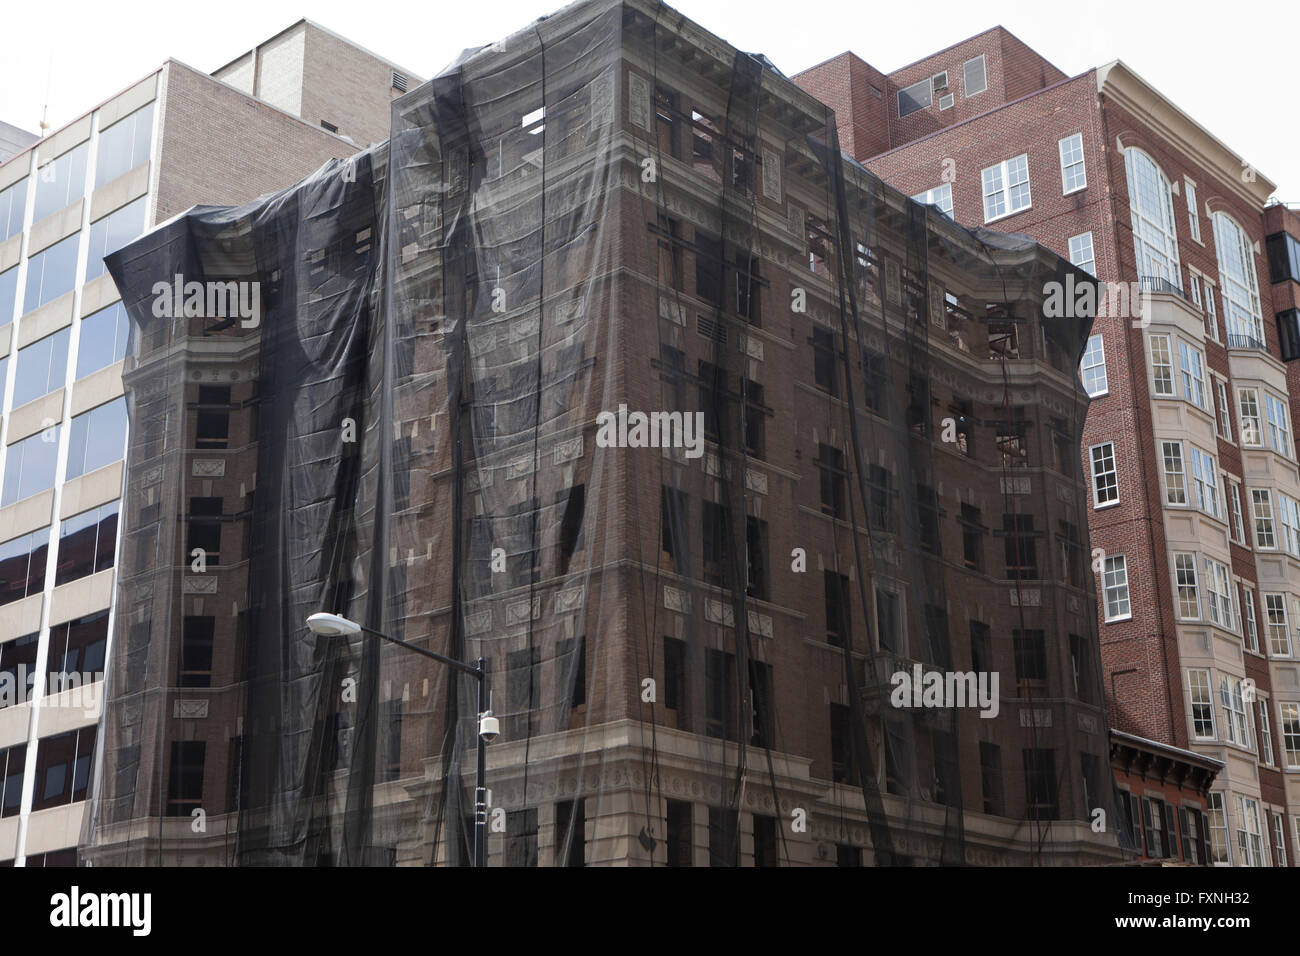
x,y
1195,520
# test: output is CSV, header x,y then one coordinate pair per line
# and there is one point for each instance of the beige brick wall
x,y
220,147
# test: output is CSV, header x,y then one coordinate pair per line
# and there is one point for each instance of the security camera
x,y
488,726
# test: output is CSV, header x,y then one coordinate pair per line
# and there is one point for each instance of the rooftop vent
x,y
399,82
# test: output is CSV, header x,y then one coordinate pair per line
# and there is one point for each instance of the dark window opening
x,y
831,462
521,837
571,524
1030,648
708,268
887,621
880,510
825,362
720,694
724,832
673,521
1041,801
185,779
837,608
679,833
927,508
756,576
991,777
766,841
972,538
197,637
843,766
571,833
1019,546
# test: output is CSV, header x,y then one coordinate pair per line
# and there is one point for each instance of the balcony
x,y
1158,285
1245,340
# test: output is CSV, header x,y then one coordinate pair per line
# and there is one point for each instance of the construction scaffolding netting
x,y
756,485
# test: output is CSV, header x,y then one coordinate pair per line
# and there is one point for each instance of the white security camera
x,y
488,726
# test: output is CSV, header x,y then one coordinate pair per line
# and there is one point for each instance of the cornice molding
x,y
1117,81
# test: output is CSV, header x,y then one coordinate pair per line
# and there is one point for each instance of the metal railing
x,y
1237,340
1159,284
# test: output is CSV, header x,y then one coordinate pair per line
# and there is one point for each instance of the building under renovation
x,y
755,482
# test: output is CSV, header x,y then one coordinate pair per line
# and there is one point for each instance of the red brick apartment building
x,y
1195,517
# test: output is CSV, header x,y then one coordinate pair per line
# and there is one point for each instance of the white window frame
x,y
1289,727
1249,839
1191,367
1279,425
1200,695
1194,286
996,182
1248,414
1097,464
940,196
1265,733
1288,515
1205,481
1115,590
1220,848
1151,209
1261,512
1279,838
1218,595
1236,521
1187,589
1175,471
1097,358
1162,383
984,70
1069,163
1250,626
1277,625
1237,724
1078,245
1193,216
1223,417
1238,279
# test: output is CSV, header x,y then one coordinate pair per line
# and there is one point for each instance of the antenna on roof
x,y
45,107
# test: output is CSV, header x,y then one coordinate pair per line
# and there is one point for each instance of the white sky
x,y
1226,72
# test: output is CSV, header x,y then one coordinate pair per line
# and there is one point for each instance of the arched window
x,y
1239,284
1151,203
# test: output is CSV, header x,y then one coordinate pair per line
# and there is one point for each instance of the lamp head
x,y
332,625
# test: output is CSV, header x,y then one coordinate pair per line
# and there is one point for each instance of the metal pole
x,y
480,789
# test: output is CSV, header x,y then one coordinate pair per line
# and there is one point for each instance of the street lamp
x,y
335,625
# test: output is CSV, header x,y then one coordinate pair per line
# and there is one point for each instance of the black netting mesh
x,y
692,650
